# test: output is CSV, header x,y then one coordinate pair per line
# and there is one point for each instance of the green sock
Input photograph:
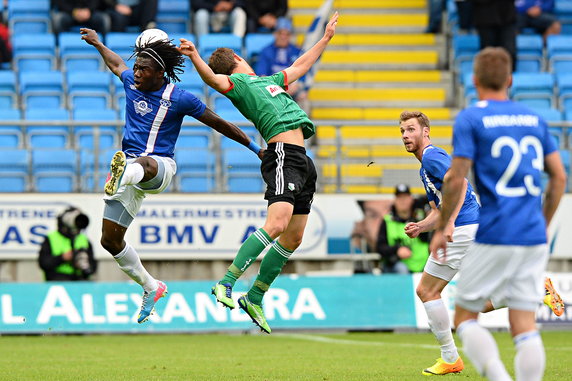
x,y
270,268
247,253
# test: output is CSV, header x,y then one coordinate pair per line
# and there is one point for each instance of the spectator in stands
x,y
537,14
126,13
67,253
281,54
495,21
263,15
84,13
5,46
399,253
217,14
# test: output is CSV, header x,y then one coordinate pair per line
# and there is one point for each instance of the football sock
x,y
441,327
247,253
481,349
530,358
133,174
129,262
270,268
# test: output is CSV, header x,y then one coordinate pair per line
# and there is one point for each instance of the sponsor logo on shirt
x,y
274,90
142,107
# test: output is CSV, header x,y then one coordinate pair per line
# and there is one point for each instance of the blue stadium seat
x,y
470,92
54,170
559,51
564,82
208,43
552,115
232,115
534,89
89,89
242,171
28,8
118,93
121,43
464,49
48,136
222,103
34,52
227,143
195,170
529,53
173,16
85,135
187,36
8,97
191,81
42,89
11,135
255,42
77,55
92,179
195,137
29,24
14,164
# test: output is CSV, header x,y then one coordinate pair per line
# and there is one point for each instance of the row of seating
x,y
68,170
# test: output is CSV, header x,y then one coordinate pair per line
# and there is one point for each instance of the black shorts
x,y
539,24
290,176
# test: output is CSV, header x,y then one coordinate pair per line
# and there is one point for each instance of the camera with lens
x,y
70,222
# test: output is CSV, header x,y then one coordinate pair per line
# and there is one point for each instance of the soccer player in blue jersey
x,y
508,146
460,232
155,109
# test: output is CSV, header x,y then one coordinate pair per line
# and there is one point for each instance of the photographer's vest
x,y
61,244
396,236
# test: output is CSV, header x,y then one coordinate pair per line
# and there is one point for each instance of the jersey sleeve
x,y
464,144
437,164
127,77
236,86
281,79
191,105
548,143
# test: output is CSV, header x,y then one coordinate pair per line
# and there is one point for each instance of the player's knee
x,y
426,293
276,226
111,245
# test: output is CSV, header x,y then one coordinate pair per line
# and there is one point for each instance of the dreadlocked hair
x,y
163,53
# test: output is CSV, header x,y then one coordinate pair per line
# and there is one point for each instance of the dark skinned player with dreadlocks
x,y
155,108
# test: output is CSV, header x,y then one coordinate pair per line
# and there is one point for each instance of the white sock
x,y
441,327
129,262
530,358
133,174
481,349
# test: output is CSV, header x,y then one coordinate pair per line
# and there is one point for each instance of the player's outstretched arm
x,y
429,223
113,61
556,184
219,82
229,130
306,60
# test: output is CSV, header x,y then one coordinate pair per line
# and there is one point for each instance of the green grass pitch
x,y
280,356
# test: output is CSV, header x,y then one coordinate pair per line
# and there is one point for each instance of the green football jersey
x,y
263,101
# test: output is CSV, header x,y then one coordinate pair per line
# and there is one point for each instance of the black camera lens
x,y
81,221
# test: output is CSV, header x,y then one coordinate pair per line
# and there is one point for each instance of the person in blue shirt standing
x,y
280,55
460,232
155,109
507,146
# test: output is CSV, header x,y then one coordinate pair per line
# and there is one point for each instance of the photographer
x,y
66,253
399,253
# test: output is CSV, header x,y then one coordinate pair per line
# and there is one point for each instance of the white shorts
x,y
463,237
511,276
130,197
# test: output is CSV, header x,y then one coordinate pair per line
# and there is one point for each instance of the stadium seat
x,y
559,52
208,43
173,16
121,43
34,52
195,170
10,135
195,137
564,84
29,24
534,89
40,89
89,89
85,135
464,49
191,81
14,164
529,53
227,143
552,115
28,8
92,179
8,97
48,136
76,54
54,170
241,169
232,115
254,43
222,103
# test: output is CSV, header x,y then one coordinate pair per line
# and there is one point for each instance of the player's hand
x,y
187,47
331,27
89,35
448,232
412,229
438,242
261,153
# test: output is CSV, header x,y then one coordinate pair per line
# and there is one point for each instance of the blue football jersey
x,y
153,119
507,143
434,164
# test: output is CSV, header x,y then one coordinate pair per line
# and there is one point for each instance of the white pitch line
x,y
329,340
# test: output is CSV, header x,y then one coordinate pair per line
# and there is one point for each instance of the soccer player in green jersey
x,y
289,174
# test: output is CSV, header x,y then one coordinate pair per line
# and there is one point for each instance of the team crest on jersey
x,y
165,103
142,107
291,186
274,90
